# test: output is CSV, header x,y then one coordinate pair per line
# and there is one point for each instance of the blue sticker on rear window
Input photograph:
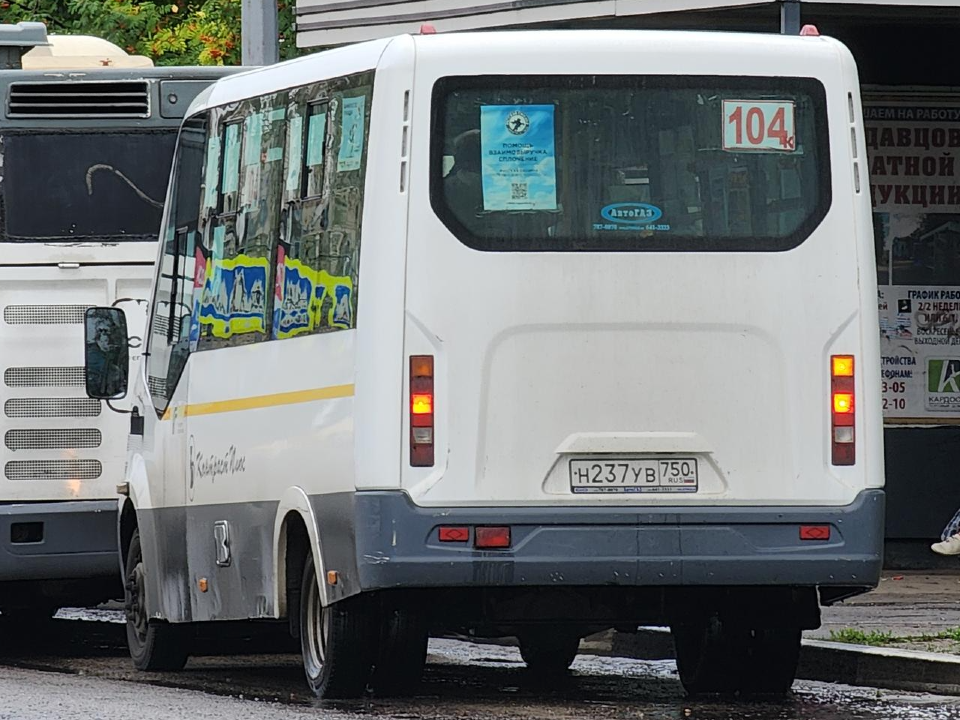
x,y
518,157
630,216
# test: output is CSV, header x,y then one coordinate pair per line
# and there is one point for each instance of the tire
x,y
154,645
769,661
401,654
549,652
337,641
716,658
706,657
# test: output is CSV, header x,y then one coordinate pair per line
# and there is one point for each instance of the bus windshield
x,y
627,163
83,186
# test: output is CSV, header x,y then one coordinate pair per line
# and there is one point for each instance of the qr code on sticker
x,y
518,191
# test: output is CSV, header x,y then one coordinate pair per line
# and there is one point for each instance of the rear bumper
x,y
398,546
79,541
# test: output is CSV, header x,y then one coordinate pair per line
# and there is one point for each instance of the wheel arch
x,y
294,523
136,494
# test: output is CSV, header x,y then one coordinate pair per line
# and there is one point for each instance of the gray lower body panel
x,y
59,541
398,546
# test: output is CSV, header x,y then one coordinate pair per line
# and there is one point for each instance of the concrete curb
x,y
819,660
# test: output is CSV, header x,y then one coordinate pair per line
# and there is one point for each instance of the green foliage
x,y
880,638
179,32
859,637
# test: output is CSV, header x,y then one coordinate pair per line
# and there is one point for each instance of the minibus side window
x,y
241,240
318,256
174,313
340,239
305,211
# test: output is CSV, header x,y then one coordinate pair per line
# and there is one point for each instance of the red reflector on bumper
x,y
814,532
492,537
454,534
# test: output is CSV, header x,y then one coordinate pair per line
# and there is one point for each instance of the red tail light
x,y
842,410
492,538
421,411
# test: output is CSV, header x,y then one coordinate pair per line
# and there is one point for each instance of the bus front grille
x,y
53,470
51,407
57,439
19,377
79,99
44,314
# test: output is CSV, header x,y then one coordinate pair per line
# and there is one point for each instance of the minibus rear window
x,y
630,163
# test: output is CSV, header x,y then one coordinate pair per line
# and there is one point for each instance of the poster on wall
x,y
913,147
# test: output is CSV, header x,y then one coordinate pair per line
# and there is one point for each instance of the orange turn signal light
x,y
842,365
421,403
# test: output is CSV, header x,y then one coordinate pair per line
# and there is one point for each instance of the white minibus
x,y
527,334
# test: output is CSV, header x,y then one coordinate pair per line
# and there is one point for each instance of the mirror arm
x,y
138,301
116,409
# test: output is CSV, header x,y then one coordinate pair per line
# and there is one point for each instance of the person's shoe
x,y
950,546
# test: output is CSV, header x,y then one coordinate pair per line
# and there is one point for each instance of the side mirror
x,y
107,352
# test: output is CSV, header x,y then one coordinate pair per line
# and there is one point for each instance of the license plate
x,y
626,475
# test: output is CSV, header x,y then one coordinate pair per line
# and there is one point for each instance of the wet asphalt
x,y
78,668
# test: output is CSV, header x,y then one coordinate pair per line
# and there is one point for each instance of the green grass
x,y
951,634
880,638
859,637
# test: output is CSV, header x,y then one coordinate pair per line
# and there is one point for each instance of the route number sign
x,y
758,126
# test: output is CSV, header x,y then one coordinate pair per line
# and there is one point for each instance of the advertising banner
x,y
913,147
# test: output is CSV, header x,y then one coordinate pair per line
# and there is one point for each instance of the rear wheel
x,y
717,657
706,658
336,641
770,660
154,645
401,652
549,651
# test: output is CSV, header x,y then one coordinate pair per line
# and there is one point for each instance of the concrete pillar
x,y
258,32
790,17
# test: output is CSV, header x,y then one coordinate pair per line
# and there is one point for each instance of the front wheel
x,y
336,641
154,645
549,652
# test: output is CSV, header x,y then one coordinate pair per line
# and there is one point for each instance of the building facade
x,y
911,91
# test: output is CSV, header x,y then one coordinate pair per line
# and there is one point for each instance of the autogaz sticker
x,y
632,216
518,158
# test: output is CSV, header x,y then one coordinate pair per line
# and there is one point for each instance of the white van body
x,y
644,414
